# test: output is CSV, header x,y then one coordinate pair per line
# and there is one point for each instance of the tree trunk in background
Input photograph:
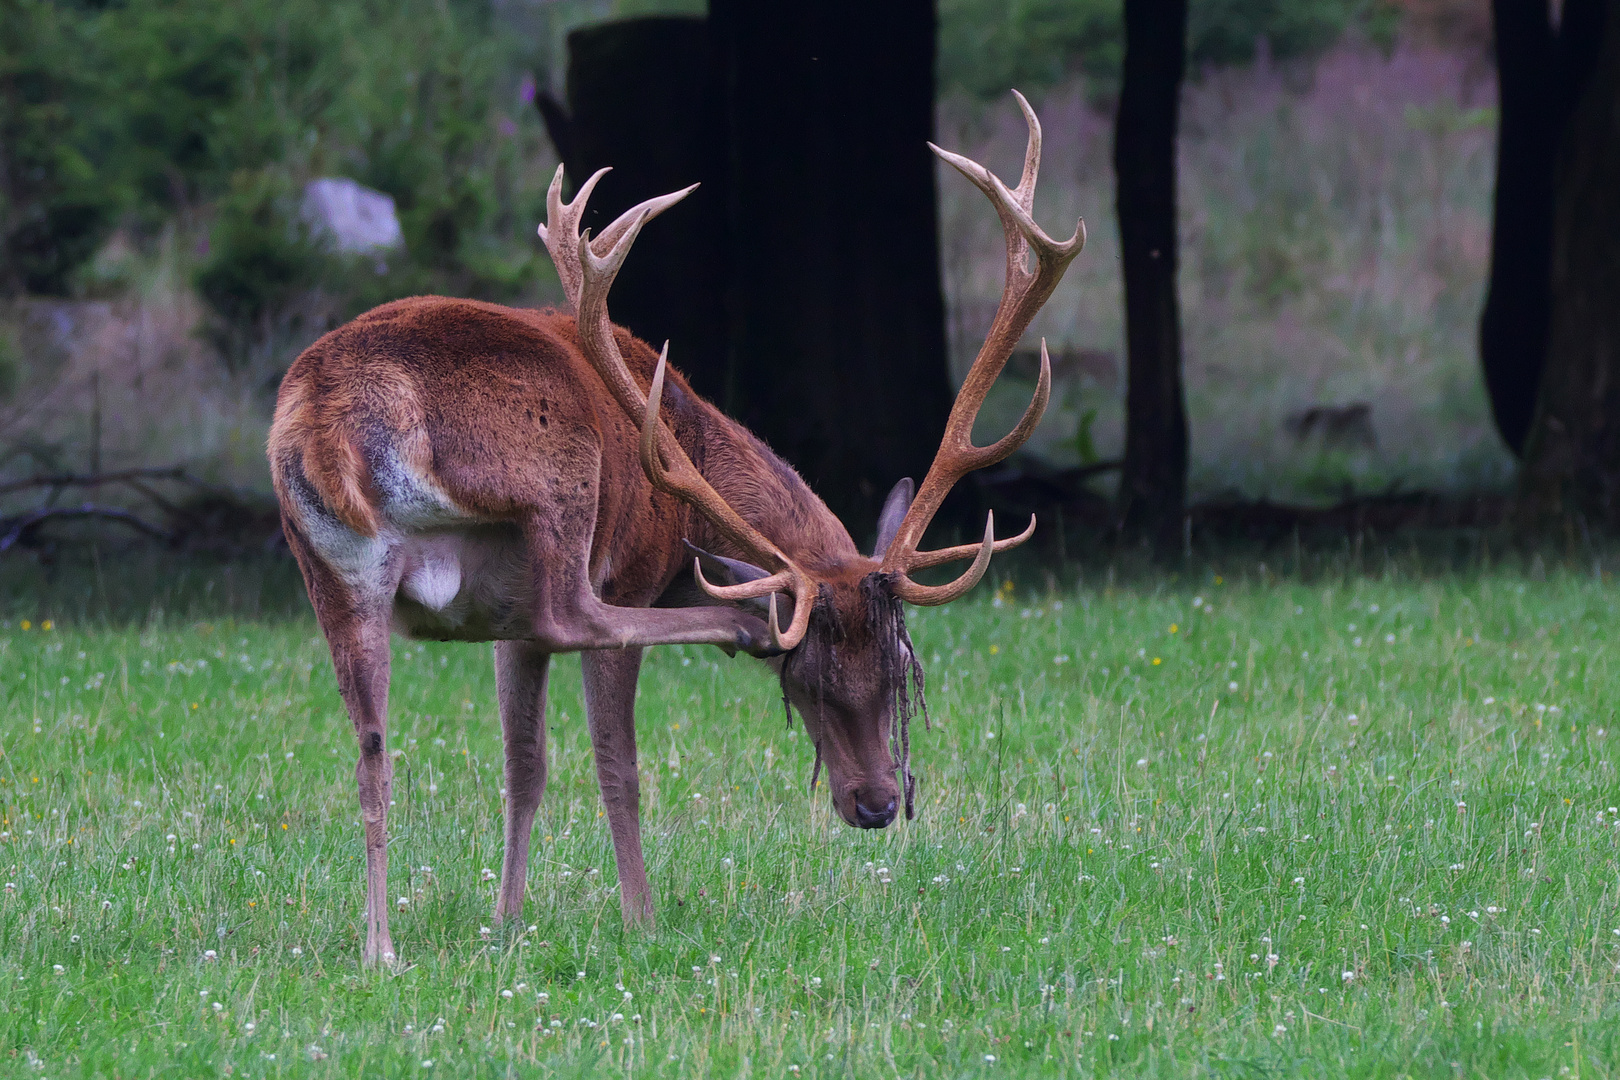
x,y
1153,485
1539,73
1572,461
644,98
837,350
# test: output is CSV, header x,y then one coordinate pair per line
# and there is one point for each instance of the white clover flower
x,y
58,968
487,874
1347,976
402,903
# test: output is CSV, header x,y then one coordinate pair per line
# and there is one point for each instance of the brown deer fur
x,y
464,454
458,470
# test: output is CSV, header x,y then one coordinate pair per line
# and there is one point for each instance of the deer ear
x,y
894,512
723,571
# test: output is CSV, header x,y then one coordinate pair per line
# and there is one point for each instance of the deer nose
x,y
873,819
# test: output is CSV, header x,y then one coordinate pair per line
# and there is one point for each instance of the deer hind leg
x,y
354,618
521,671
610,705
570,617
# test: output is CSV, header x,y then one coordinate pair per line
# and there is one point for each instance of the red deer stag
x,y
462,471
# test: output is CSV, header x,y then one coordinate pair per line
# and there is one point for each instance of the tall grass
x,y
1224,825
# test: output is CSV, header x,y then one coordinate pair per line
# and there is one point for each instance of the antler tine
x,y
562,222
666,464
925,559
1032,154
934,595
1025,290
653,207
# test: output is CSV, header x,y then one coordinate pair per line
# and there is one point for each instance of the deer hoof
x,y
755,640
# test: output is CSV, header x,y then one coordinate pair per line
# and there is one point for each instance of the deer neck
x,y
766,492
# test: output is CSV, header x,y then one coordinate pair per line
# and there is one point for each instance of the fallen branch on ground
x,y
19,526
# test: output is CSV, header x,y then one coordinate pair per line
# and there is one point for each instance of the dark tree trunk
x,y
1572,461
1153,485
1539,73
644,98
837,350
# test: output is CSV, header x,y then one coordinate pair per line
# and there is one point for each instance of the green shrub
x,y
260,258
54,208
219,111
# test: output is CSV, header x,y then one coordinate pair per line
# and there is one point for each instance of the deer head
x,y
837,629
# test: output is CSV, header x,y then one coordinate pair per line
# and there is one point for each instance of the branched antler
x,y
1022,296
587,268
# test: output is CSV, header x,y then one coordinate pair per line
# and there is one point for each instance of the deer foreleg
x,y
521,671
610,705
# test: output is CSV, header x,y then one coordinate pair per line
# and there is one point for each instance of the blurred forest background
x,y
158,271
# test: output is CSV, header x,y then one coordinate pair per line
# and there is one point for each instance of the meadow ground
x,y
1361,826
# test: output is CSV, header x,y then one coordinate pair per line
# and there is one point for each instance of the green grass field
x,y
1352,827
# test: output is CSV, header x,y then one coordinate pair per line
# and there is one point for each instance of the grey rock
x,y
351,218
